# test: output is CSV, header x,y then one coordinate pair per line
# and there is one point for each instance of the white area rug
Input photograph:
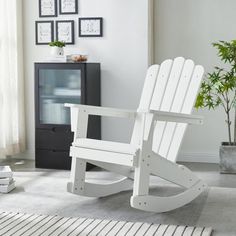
x,y
16,224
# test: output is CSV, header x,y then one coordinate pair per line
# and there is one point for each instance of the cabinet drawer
x,y
53,159
53,139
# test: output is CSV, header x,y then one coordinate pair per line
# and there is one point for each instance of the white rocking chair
x,y
161,119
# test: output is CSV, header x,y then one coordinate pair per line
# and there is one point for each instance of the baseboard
x,y
202,157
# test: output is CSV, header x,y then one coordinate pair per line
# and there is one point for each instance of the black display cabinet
x,y
56,84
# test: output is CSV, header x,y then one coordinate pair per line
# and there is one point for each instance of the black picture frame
x,y
89,20
75,11
39,41
72,32
54,14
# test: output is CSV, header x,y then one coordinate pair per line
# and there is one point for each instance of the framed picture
x,y
65,31
47,8
44,32
91,27
68,7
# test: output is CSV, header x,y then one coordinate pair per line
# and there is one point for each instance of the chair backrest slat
x,y
162,129
178,98
170,78
146,98
173,89
148,88
187,108
161,80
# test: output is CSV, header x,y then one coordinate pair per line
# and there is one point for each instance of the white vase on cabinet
x,y
57,51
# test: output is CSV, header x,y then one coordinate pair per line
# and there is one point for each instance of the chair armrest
x,y
103,111
177,117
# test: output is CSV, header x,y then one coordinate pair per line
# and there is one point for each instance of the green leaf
x,y
218,84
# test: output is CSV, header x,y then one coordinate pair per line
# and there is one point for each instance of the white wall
x,y
122,53
187,28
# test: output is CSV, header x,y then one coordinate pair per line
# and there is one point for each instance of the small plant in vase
x,y
57,48
219,89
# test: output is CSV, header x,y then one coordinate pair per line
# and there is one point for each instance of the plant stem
x,y
233,104
234,126
229,125
228,117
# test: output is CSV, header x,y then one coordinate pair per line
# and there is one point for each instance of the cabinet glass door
x,y
56,87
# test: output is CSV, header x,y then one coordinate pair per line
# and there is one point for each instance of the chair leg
x,y
77,177
79,186
141,178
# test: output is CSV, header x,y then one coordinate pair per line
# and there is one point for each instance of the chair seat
x,y
105,146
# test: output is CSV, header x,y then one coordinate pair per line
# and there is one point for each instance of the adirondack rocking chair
x,y
161,119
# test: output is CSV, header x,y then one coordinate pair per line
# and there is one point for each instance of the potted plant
x,y
219,89
57,48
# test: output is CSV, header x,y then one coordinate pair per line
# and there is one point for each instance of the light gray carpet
x,y
19,224
45,193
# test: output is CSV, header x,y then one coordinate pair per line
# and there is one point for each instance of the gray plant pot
x,y
227,158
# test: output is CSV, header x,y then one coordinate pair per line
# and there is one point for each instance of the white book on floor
x,y
5,181
5,172
7,188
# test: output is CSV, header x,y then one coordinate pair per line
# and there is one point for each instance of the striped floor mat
x,y
17,224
